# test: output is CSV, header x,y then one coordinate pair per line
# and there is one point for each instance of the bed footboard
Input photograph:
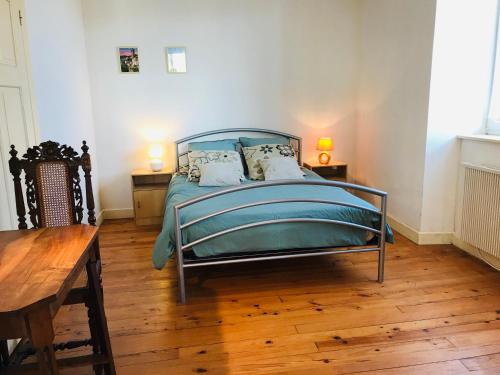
x,y
182,263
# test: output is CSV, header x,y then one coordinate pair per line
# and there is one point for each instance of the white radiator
x,y
481,209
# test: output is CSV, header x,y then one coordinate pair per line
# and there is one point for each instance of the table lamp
x,y
155,155
324,144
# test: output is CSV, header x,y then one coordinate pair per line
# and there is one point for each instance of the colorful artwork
x,y
129,59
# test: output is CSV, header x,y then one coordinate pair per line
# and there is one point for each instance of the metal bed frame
x,y
183,263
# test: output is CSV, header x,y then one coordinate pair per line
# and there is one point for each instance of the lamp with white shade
x,y
155,157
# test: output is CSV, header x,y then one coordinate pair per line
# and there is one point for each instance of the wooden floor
x,y
437,313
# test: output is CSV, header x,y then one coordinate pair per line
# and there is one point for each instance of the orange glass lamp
x,y
325,145
155,157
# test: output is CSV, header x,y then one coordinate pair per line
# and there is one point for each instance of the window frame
x,y
493,124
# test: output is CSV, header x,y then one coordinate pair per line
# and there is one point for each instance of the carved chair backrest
x,y
53,193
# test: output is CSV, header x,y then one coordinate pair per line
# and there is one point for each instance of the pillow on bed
x,y
281,168
220,174
183,171
254,154
250,142
197,158
222,144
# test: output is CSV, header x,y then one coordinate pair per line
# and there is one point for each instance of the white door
x,y
16,114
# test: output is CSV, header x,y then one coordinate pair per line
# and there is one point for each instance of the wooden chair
x,y
54,198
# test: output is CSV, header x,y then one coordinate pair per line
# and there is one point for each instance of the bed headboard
x,y
181,146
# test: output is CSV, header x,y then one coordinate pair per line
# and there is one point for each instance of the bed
x,y
259,221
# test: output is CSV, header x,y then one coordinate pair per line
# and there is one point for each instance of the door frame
x,y
29,73
24,77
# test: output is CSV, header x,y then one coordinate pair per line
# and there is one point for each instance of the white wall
x,y
395,69
60,75
460,83
359,71
289,65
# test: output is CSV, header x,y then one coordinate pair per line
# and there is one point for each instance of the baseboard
x,y
117,213
463,245
99,218
420,238
435,238
403,229
474,251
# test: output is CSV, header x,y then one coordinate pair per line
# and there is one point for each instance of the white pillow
x,y
219,174
281,168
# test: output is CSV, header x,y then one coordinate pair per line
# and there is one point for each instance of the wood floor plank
x,y
437,368
485,362
438,312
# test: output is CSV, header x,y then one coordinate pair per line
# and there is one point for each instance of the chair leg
x,y
99,266
96,304
92,312
94,329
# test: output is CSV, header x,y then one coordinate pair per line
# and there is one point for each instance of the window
x,y
493,121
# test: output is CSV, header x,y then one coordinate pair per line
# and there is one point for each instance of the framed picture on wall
x,y
176,59
128,58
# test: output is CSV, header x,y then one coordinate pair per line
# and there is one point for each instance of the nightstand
x,y
335,170
149,190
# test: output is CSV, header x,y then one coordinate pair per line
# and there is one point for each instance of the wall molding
x,y
403,229
435,238
117,213
464,245
420,238
474,251
99,218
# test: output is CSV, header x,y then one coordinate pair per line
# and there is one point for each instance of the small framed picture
x,y
128,58
176,59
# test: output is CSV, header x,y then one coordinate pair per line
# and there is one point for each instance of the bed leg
x,y
381,261
180,257
182,285
180,276
383,228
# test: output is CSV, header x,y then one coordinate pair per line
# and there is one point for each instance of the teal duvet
x,y
269,237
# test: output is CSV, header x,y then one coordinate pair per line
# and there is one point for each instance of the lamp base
x,y
156,165
324,158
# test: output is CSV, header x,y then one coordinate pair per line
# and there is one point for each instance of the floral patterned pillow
x,y
255,153
199,157
183,171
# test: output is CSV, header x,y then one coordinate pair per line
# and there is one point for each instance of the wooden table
x,y
37,271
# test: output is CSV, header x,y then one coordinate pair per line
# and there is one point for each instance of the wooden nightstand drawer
x,y
330,171
334,171
151,180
